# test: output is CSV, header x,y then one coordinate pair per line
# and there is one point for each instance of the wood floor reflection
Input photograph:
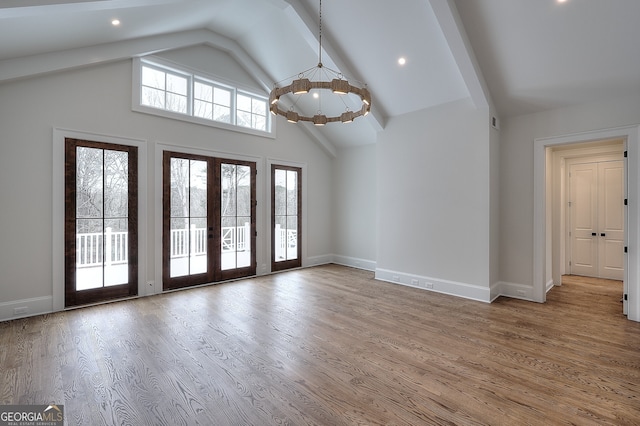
x,y
330,345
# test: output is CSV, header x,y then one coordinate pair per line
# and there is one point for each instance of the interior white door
x,y
597,219
611,220
584,219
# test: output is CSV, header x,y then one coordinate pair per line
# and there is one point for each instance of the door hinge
x,y
569,263
626,202
626,297
625,249
625,154
569,203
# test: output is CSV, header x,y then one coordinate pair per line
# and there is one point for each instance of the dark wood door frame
x,y
214,238
74,297
292,263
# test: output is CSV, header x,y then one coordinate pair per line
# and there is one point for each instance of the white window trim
x,y
163,64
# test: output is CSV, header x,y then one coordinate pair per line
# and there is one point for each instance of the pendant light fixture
x,y
335,82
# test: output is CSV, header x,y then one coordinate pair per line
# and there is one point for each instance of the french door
x,y
101,222
597,219
209,225
286,216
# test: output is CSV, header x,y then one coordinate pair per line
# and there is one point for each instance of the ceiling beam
x,y
453,30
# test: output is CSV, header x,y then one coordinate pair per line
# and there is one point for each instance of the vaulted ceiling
x,y
533,55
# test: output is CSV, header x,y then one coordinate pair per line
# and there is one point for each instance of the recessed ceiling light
x,y
115,22
562,1
402,61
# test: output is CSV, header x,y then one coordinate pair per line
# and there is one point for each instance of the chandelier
x,y
304,83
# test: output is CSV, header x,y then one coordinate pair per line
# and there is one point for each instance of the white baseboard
x,y
550,285
516,291
467,291
26,308
42,305
354,262
317,260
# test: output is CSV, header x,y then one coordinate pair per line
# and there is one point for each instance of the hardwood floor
x,y
331,346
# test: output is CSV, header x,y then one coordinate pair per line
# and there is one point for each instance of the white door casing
x,y
542,208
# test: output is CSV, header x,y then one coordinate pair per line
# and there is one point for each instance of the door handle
x,y
593,234
603,234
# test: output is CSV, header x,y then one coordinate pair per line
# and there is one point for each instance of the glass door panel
x,y
188,231
89,220
236,205
116,221
286,213
209,219
101,218
101,210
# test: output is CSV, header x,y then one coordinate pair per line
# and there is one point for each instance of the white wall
x,y
97,100
516,191
211,62
434,200
354,207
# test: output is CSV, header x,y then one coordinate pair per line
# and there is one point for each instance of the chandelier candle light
x,y
304,84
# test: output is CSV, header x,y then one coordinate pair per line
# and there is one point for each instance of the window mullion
x,y
104,230
234,108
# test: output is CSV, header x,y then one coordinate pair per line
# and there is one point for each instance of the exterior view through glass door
x,y
208,219
100,221
286,215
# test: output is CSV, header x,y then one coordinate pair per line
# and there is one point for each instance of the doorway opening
x,y
588,211
544,275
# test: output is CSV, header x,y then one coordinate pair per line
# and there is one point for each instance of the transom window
x,y
252,111
212,102
164,90
199,99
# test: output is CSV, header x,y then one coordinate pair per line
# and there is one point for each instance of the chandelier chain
x,y
320,36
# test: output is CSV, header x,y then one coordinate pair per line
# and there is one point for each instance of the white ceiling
x,y
541,54
533,54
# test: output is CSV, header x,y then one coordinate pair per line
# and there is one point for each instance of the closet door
x,y
597,219
611,220
584,219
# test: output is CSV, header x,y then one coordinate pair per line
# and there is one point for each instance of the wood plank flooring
x,y
331,346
